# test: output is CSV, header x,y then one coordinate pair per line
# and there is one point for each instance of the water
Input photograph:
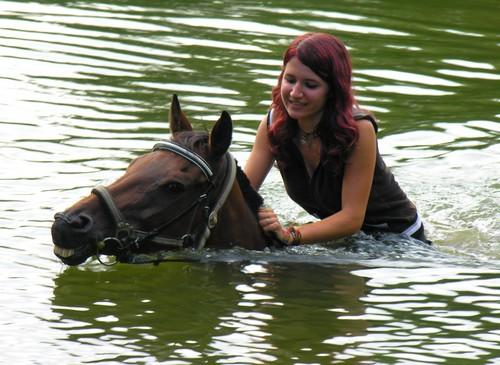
x,y
85,88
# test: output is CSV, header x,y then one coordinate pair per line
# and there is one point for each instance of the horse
x,y
187,192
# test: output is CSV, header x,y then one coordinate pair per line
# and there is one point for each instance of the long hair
x,y
327,57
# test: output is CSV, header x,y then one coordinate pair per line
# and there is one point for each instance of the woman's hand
x,y
270,223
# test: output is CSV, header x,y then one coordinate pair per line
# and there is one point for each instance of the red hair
x,y
328,58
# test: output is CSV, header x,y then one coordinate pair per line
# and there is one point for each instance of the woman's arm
x,y
261,159
356,186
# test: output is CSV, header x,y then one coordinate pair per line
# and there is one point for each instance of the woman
x,y
326,151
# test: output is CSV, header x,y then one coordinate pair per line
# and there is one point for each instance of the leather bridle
x,y
127,236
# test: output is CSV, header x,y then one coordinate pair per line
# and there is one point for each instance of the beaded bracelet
x,y
295,236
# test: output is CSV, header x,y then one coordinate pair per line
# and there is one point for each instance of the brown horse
x,y
186,192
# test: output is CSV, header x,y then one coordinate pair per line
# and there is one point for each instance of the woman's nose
x,y
296,91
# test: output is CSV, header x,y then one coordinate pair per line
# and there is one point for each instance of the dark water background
x,y
85,88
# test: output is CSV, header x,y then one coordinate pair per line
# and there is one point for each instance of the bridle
x,y
127,236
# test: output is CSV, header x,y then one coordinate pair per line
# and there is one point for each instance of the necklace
x,y
307,137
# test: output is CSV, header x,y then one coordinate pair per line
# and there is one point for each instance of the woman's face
x,y
303,93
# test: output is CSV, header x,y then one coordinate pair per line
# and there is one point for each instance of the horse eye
x,y
174,187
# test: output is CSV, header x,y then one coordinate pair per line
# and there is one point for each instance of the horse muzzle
x,y
72,237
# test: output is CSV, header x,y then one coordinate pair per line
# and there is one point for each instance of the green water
x,y
85,88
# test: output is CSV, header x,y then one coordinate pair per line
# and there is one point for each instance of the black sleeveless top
x,y
389,209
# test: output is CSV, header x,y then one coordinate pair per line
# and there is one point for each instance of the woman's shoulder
x,y
364,115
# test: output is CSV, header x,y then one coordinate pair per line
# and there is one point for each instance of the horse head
x,y
169,198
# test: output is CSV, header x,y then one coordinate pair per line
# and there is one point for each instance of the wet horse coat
x,y
186,192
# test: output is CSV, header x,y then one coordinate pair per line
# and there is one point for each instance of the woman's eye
x,y
174,187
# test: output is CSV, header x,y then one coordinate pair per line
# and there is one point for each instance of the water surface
x,y
85,88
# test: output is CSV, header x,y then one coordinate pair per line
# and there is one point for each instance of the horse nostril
x,y
80,222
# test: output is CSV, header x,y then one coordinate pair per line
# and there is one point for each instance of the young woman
x,y
326,151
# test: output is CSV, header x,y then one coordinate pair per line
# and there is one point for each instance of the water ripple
x,y
408,76
236,25
348,28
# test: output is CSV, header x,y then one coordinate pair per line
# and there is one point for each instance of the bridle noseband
x,y
127,237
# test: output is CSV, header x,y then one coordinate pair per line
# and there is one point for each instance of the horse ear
x,y
221,135
178,120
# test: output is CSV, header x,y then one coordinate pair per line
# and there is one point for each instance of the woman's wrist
x,y
294,236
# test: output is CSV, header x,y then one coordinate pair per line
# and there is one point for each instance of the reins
x,y
127,236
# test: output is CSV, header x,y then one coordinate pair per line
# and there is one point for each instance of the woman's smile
x,y
296,104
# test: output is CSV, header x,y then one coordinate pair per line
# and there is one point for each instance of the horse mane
x,y
198,141
252,197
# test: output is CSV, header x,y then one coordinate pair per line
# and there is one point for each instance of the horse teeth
x,y
63,252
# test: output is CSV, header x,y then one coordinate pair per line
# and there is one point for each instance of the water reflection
x,y
426,321
253,313
139,319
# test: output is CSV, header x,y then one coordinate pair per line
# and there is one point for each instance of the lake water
x,y
85,88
